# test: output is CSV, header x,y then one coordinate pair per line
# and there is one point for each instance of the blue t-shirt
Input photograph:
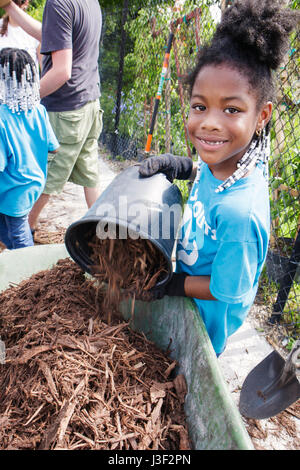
x,y
225,235
25,140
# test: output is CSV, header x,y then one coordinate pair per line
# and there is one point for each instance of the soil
x,y
278,433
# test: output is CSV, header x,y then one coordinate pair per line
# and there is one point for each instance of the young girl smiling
x,y
225,226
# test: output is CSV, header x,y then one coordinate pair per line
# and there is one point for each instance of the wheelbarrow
x,y
213,419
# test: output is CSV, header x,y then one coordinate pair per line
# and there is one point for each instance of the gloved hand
x,y
4,3
175,287
172,166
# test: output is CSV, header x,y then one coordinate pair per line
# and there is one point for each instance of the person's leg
x,y
19,232
86,171
66,126
4,238
37,209
91,195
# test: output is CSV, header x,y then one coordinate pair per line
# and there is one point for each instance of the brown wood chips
x,y
129,267
73,381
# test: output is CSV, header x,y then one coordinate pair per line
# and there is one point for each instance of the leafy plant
x,y
285,153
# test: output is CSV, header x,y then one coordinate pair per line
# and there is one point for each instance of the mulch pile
x,y
72,381
44,237
281,423
129,267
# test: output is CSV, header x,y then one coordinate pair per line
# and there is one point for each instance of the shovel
x,y
272,386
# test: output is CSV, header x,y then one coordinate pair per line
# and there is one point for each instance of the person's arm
x,y
39,55
198,287
29,24
59,73
183,285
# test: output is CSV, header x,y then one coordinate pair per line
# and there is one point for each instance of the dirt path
x,y
70,205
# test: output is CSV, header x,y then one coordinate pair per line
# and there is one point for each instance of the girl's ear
x,y
264,116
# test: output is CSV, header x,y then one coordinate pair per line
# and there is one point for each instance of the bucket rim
x,y
143,234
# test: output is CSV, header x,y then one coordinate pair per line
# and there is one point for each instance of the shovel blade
x,y
263,394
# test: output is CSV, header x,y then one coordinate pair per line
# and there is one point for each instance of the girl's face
x,y
223,117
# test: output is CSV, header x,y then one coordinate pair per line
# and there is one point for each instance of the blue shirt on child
x,y
225,235
25,140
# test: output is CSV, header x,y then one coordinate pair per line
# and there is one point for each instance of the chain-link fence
x,y
283,267
146,105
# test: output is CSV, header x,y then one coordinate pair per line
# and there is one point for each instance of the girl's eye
x,y
231,110
199,107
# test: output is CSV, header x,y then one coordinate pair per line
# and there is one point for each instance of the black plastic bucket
x,y
130,207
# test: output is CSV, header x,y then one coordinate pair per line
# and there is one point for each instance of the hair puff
x,y
260,27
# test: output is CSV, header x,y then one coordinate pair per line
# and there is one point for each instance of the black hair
x,y
18,60
252,37
19,80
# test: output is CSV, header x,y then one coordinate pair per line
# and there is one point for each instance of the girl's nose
x,y
210,121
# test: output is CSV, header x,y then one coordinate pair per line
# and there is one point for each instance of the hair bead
x,y
19,83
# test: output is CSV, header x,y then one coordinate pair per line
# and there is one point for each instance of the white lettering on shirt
x,y
192,239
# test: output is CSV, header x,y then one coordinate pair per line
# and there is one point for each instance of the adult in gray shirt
x,y
70,91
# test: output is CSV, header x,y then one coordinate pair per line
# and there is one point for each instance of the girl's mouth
x,y
212,144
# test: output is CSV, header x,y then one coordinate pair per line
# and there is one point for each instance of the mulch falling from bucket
x,y
71,381
129,267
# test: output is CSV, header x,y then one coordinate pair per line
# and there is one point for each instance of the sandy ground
x,y
70,205
246,348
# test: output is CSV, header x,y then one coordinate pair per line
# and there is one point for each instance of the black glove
x,y
172,166
175,287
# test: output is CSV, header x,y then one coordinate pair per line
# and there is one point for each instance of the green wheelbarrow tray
x,y
213,419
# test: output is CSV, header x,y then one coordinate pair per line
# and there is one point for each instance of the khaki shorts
x,y
78,132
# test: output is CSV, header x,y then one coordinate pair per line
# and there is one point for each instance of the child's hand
x,y
175,287
172,166
4,3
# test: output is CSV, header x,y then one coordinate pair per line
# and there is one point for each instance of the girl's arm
x,y
29,24
183,285
198,287
39,55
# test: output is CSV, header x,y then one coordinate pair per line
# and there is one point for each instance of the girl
x,y
225,228
26,137
12,35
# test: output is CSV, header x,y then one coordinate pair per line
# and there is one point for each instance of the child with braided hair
x,y
224,233
26,137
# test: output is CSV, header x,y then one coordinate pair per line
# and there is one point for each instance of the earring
x,y
258,132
